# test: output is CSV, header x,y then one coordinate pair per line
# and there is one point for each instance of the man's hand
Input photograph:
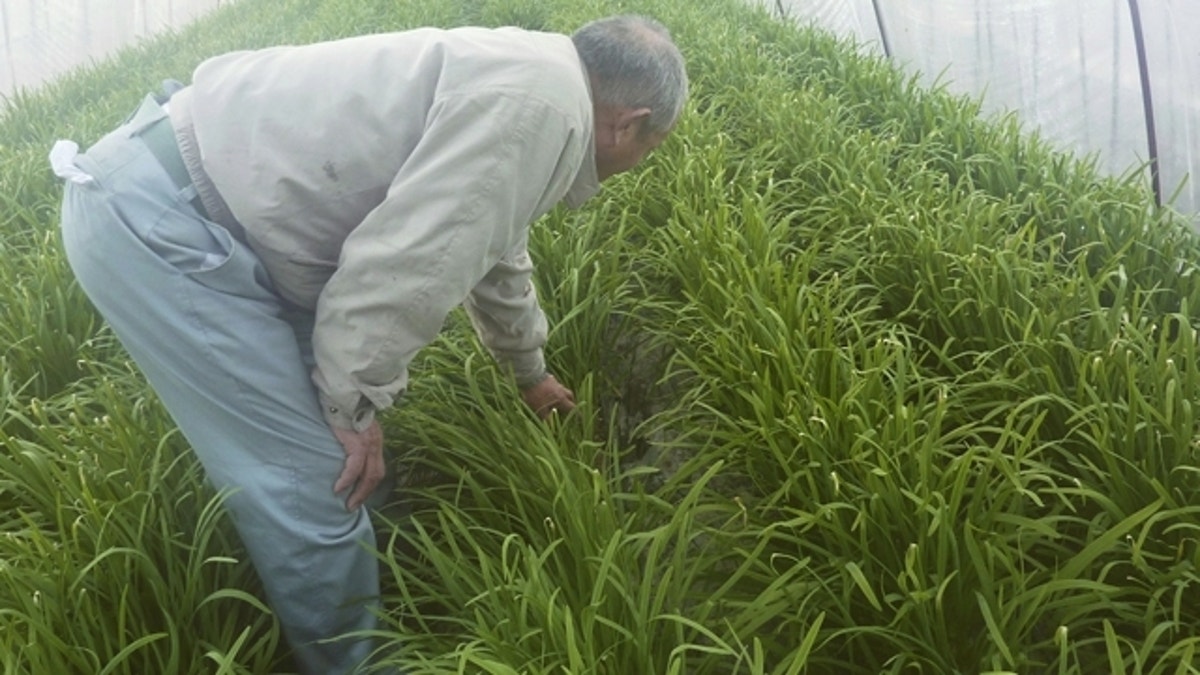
x,y
364,467
548,397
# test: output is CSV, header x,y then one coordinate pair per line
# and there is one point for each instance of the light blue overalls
x,y
231,361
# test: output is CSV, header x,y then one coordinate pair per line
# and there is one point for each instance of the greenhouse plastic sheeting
x,y
1072,69
40,39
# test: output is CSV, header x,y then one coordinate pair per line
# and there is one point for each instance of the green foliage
x,y
116,559
867,384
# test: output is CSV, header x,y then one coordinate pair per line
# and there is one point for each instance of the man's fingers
x,y
364,468
350,471
366,485
563,406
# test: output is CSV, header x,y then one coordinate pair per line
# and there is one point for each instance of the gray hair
x,y
633,63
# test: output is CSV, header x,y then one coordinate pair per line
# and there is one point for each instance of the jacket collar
x,y
587,181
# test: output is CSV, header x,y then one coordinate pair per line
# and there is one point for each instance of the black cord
x,y
883,36
1147,101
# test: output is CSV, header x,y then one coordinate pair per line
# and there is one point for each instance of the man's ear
x,y
629,123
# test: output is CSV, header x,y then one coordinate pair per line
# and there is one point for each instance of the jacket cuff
x,y
357,416
526,384
528,367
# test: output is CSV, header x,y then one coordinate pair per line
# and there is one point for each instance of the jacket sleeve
x,y
504,310
485,168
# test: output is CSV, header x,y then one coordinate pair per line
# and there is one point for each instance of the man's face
x,y
621,142
626,153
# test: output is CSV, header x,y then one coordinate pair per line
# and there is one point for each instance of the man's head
x,y
639,86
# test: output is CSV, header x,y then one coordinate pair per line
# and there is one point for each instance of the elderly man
x,y
275,244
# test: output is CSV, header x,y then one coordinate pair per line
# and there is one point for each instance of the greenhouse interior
x,y
858,337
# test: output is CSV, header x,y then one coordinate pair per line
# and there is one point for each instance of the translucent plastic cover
x,y
1075,70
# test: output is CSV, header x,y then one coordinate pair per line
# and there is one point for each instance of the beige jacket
x,y
386,179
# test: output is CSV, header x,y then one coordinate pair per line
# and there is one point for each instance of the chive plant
x,y
868,383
